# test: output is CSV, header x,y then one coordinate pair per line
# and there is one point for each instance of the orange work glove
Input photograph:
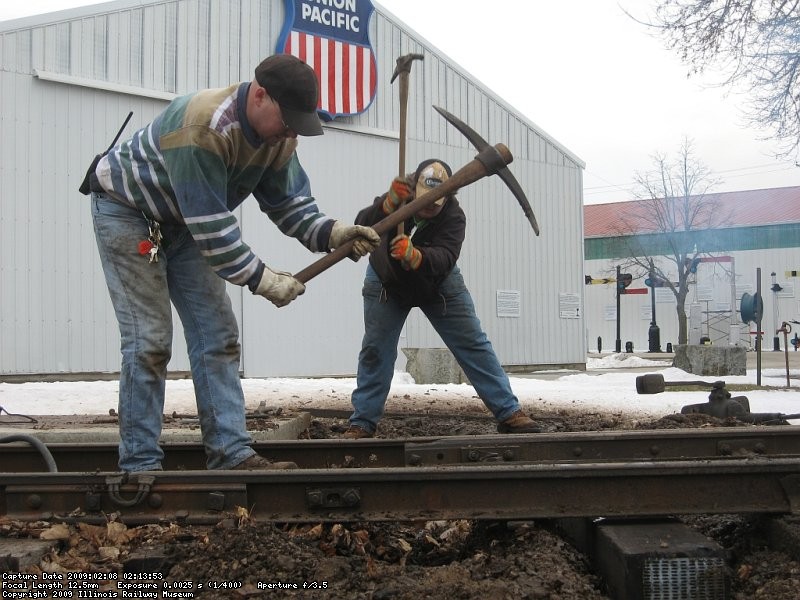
x,y
399,193
403,250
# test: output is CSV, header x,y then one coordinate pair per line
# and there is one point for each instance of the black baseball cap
x,y
293,85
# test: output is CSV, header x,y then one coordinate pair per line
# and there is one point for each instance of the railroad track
x,y
619,473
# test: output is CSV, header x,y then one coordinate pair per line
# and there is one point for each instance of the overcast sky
x,y
590,77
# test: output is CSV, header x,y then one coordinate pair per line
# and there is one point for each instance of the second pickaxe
x,y
476,140
403,69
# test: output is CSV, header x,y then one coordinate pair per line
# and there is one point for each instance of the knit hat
x,y
293,85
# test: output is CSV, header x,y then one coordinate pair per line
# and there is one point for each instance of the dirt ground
x,y
421,560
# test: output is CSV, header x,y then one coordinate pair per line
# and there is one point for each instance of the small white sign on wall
x,y
569,305
646,312
508,303
610,312
787,291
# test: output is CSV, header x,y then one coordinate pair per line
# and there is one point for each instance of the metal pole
x,y
786,328
653,334
758,328
776,344
619,334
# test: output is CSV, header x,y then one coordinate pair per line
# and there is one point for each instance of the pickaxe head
x,y
493,166
403,64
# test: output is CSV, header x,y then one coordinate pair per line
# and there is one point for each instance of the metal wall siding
x,y
250,35
132,63
80,38
321,333
24,48
152,52
186,62
8,183
58,307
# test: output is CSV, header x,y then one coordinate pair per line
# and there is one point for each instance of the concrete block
x,y
711,360
17,554
652,559
148,559
433,365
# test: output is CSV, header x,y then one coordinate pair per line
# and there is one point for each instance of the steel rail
x,y
490,491
438,451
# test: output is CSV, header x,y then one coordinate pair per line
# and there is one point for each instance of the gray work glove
x,y
279,287
366,239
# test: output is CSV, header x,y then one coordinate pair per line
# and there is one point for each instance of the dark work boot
x,y
259,463
356,433
519,422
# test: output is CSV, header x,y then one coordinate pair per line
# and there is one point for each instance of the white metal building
x,y
68,80
762,232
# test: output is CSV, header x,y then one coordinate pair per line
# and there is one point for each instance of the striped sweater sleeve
x,y
284,195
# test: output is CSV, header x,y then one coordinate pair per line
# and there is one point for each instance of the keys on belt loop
x,y
154,228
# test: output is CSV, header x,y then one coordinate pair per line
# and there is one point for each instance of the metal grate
x,y
685,579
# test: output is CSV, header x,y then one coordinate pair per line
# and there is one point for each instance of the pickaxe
x,y
489,160
403,69
476,140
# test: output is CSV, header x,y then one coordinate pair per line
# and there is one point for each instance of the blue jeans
x,y
141,293
453,316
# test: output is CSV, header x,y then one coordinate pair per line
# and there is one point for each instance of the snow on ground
x,y
608,385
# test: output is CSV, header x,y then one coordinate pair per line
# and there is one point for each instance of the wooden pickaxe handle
x,y
403,70
469,173
403,130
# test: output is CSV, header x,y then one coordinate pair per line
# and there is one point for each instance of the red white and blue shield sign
x,y
332,37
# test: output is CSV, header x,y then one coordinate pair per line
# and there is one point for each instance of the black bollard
x,y
654,338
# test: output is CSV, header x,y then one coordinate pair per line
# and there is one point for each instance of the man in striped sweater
x,y
162,204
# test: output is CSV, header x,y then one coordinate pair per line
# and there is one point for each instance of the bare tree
x,y
671,219
754,42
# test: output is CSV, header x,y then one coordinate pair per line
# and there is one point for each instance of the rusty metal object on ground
x,y
653,383
720,402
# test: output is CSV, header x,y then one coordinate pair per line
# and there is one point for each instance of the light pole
x,y
618,345
776,344
653,334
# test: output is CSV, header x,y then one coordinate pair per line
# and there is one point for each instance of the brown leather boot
x,y
356,433
519,422
259,463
